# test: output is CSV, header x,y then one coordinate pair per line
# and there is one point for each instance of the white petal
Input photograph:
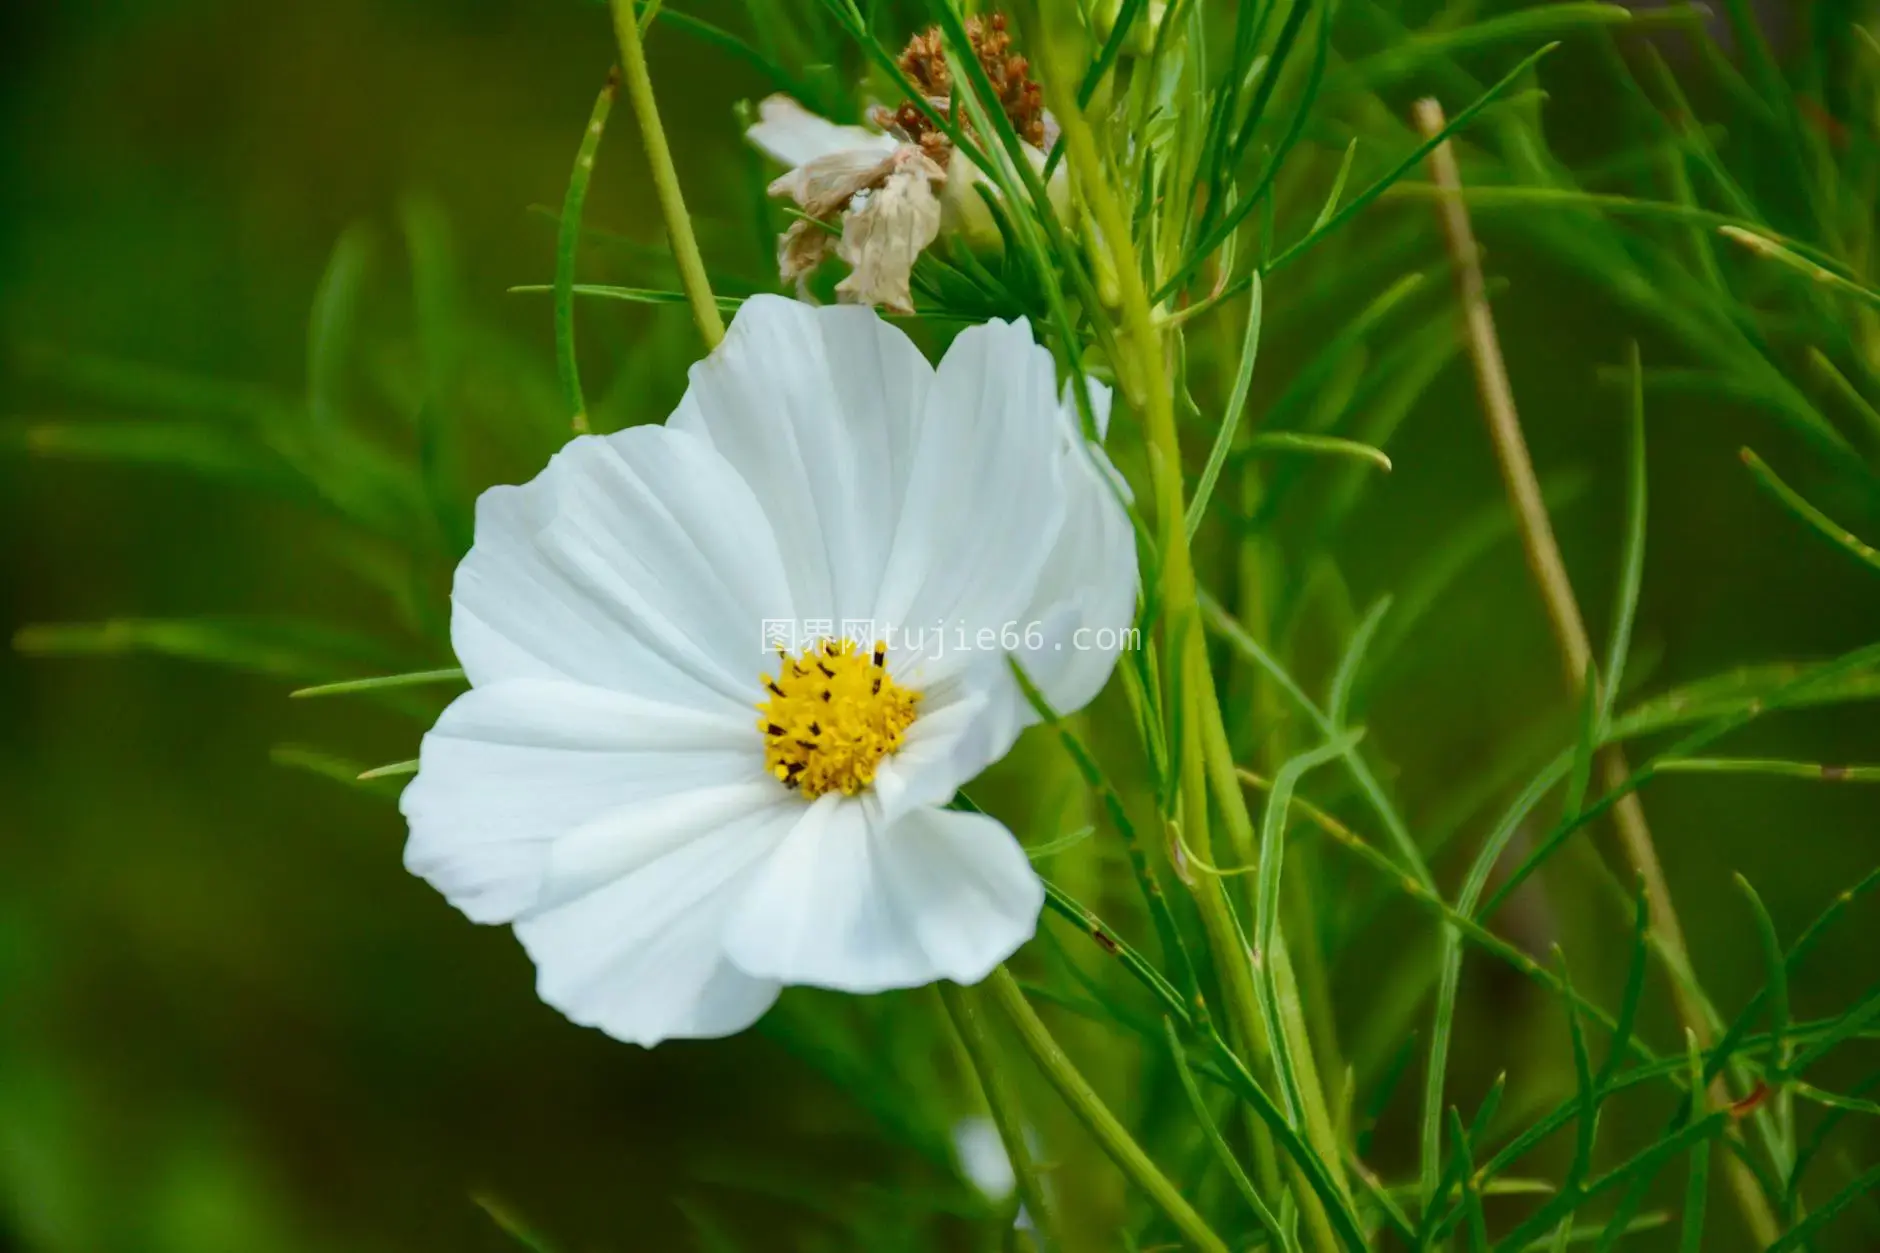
x,y
818,409
849,903
985,501
794,135
1085,602
962,728
638,561
513,767
641,957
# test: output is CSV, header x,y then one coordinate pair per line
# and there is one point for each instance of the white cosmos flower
x,y
617,783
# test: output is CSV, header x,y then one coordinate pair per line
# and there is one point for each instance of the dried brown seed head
x,y
1018,96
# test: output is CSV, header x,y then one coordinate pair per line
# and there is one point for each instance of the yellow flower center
x,y
830,716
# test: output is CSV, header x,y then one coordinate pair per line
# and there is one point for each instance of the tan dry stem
x,y
1563,610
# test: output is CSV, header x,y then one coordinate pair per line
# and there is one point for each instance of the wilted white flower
x,y
877,192
678,817
889,192
883,237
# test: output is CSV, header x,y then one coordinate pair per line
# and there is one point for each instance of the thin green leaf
x,y
1825,772
1869,416
411,678
1112,48
1351,664
391,770
1338,186
1386,1086
1634,986
1052,847
512,1224
1364,198
1801,1233
1471,1194
1697,1184
1267,905
1834,531
1225,1155
1230,419
1408,57
1329,445
335,308
1777,987
1834,1100
318,761
1632,567
728,42
213,450
634,295
1764,246
1586,1126
567,241
281,649
1849,1025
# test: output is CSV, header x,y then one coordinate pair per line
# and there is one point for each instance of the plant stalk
x,y
1201,720
698,290
1563,611
1003,1105
1070,1083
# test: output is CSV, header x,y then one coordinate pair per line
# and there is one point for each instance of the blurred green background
x,y
229,1019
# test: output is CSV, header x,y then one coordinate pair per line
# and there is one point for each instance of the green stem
x,y
1070,1083
1145,376
1314,1112
1003,1106
698,291
567,240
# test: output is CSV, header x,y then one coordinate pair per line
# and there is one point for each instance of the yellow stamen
x,y
830,716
